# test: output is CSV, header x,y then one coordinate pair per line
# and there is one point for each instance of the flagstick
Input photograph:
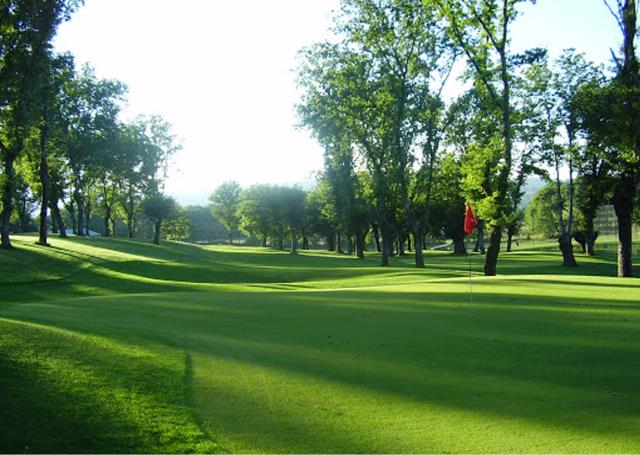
x,y
470,222
470,279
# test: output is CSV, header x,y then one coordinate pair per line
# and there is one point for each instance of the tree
x,y
177,226
542,211
25,47
480,28
320,213
159,148
448,204
203,227
366,94
89,110
293,204
255,212
134,148
550,114
158,208
58,70
616,131
224,206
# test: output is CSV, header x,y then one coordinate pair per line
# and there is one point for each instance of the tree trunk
x,y
44,181
264,241
305,243
71,208
409,243
57,217
479,246
130,209
107,220
87,218
156,231
113,226
387,246
350,247
339,243
376,238
331,242
491,259
281,239
23,214
360,246
294,242
401,251
458,247
230,237
80,212
129,226
510,233
566,247
418,249
623,206
564,241
580,237
590,242
7,200
626,187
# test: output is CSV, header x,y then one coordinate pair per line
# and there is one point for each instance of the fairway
x,y
122,346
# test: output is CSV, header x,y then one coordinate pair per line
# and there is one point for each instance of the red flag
x,y
470,220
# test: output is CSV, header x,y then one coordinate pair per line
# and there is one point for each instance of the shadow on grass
x,y
560,370
102,266
558,362
69,393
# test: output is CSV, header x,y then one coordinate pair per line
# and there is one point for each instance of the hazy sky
x,y
221,72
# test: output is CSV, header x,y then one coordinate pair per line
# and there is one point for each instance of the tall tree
x,y
25,49
367,91
480,28
224,206
625,162
550,114
159,208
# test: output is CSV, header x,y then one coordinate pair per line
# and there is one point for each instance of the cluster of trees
x,y
403,158
280,216
61,141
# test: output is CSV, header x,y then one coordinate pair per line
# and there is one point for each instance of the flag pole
x,y
470,223
470,280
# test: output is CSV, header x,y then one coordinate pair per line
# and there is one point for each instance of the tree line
x,y
61,140
374,97
402,155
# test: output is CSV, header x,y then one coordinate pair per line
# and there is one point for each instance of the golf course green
x,y
113,345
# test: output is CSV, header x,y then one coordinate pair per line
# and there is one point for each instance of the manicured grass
x,y
120,346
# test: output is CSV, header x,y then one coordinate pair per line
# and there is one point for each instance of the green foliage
x,y
203,227
224,205
448,205
257,211
159,207
541,215
178,226
373,94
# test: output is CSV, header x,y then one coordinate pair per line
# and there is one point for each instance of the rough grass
x,y
121,346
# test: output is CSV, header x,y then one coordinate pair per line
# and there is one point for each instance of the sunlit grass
x,y
119,346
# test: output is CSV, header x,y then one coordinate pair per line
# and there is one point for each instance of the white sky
x,y
221,72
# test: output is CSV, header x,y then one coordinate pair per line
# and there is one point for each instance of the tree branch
x,y
613,13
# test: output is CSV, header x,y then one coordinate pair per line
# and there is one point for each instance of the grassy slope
x,y
355,359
